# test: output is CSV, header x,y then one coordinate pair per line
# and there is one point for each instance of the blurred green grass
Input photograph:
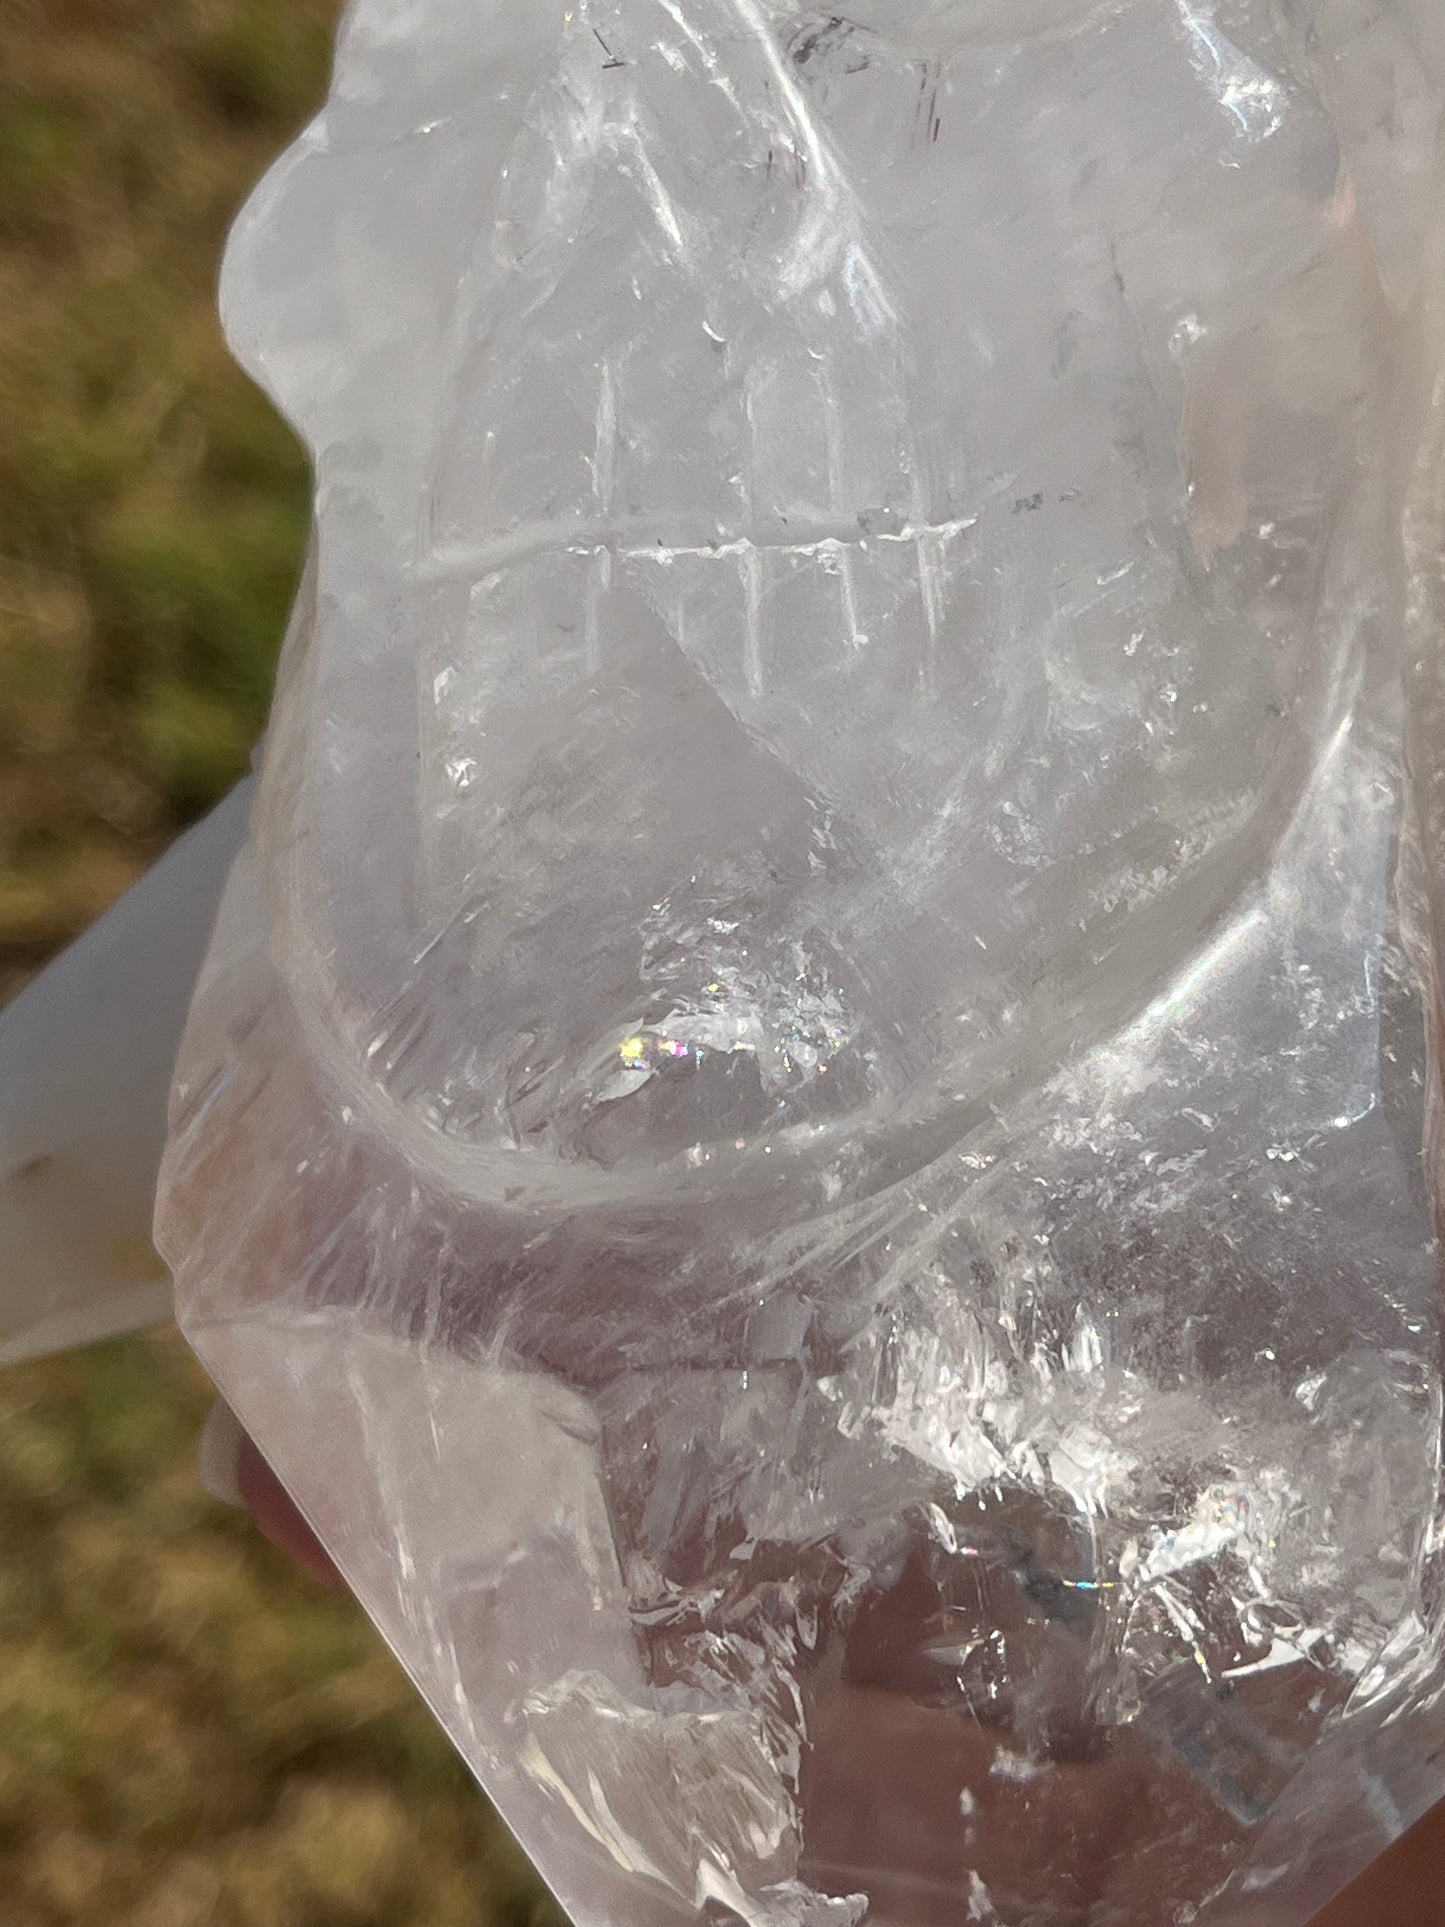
x,y
190,1732
151,506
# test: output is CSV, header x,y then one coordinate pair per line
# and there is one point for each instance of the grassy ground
x,y
189,1731
151,506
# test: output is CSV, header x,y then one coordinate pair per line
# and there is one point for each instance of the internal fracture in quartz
x,y
806,1136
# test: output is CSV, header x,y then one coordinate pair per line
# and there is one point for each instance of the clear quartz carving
x,y
808,1133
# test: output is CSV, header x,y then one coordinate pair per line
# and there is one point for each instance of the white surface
x,y
85,1064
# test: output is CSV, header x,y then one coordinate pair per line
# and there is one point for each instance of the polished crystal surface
x,y
809,1134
